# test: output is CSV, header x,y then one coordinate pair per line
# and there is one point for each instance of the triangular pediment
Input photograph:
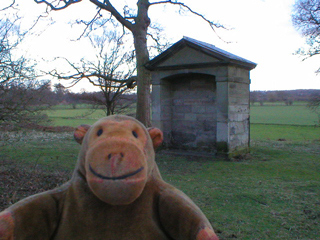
x,y
187,56
188,53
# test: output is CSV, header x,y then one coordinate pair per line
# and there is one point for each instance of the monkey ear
x,y
156,136
80,132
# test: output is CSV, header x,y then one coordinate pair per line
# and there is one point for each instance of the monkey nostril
x,y
118,156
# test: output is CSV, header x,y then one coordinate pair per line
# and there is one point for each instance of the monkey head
x,y
117,157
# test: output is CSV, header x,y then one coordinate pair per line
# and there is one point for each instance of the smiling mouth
x,y
115,178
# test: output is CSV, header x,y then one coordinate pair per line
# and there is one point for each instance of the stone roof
x,y
223,57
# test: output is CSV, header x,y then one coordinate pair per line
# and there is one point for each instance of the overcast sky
x,y
260,31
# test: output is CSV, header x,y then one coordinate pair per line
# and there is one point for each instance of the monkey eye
x,y
99,132
135,134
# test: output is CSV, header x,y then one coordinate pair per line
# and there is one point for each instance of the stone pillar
x,y
156,106
161,108
239,110
222,114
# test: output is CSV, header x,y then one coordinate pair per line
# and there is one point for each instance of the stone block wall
x,y
206,111
188,112
193,114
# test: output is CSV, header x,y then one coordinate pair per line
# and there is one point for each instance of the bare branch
x,y
79,76
106,5
56,7
11,5
213,25
89,24
36,21
306,19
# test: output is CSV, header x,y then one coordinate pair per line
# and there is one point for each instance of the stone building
x,y
200,98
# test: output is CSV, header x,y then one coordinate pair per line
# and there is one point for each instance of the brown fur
x,y
116,192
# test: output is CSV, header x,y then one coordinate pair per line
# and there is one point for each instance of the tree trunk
x,y
142,56
108,106
139,30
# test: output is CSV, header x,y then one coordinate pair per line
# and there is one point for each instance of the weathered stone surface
x,y
187,56
238,89
209,126
206,143
234,72
184,125
181,138
211,109
238,117
177,116
199,108
239,109
238,141
239,127
182,109
190,117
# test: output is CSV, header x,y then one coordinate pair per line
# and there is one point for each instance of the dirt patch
x,y
31,126
18,181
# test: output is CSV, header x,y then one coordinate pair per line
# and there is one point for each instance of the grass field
x,y
65,115
281,114
284,132
273,122
74,117
267,114
274,193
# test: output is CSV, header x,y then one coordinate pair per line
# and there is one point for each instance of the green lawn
x,y
281,114
65,115
281,117
273,194
267,114
74,117
284,132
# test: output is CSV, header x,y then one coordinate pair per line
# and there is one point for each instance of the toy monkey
x,y
116,193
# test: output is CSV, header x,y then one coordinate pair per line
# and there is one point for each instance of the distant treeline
x,y
287,96
60,95
94,98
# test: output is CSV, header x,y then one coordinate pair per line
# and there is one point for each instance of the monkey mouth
x,y
115,178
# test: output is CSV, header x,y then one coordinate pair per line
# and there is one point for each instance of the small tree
x,y
60,93
314,106
111,72
253,97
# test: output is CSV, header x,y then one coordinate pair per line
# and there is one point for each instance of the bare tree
x,y
111,72
20,93
114,104
137,22
306,18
